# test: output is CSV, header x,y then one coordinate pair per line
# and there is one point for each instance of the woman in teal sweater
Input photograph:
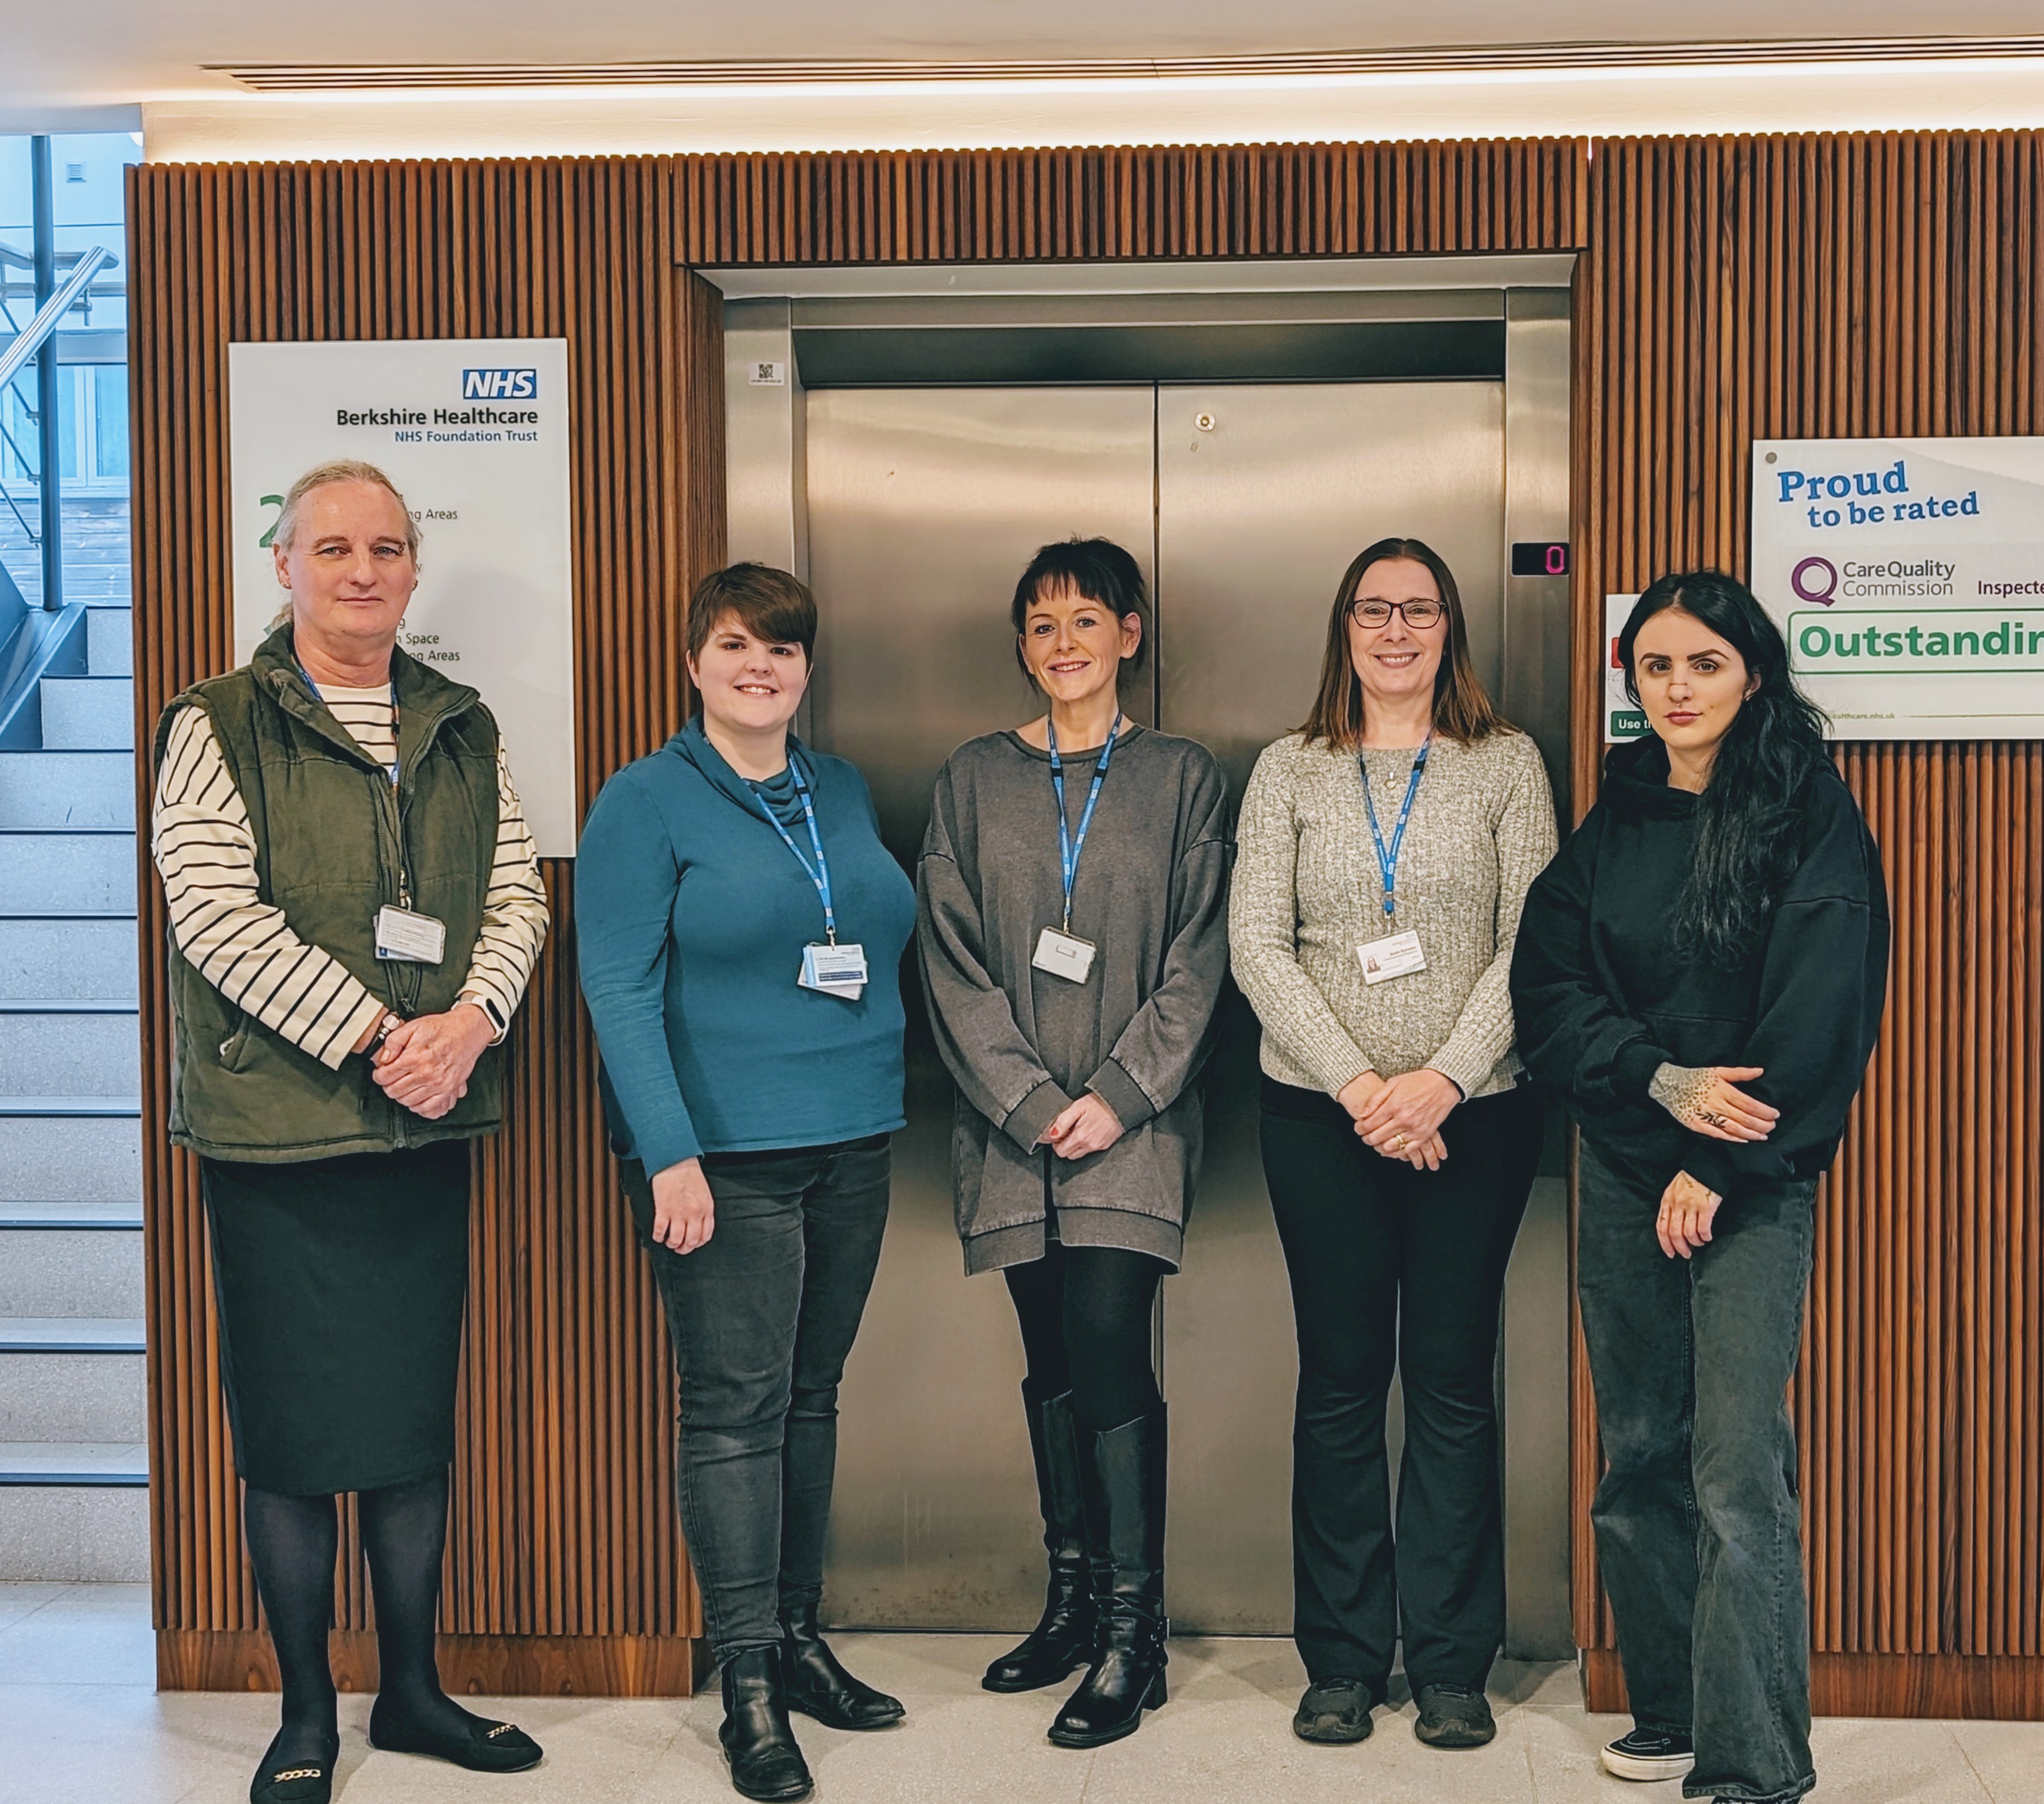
x,y
741,928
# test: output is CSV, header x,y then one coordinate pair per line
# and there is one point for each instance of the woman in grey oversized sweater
x,y
1072,924
1386,850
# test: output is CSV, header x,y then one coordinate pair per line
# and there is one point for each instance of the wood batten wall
x,y
1230,201
1730,288
565,1571
1840,287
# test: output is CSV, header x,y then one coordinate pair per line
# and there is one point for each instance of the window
x,y
93,441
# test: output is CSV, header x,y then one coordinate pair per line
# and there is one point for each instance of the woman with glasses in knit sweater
x,y
1386,848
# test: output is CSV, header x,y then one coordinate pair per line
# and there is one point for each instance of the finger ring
x,y
1715,1119
1399,1144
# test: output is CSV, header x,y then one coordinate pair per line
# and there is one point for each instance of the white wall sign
x,y
473,432
1908,576
1622,718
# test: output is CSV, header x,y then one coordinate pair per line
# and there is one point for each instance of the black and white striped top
x,y
205,850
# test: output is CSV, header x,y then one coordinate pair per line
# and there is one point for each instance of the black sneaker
x,y
1334,1711
1454,1716
1651,1754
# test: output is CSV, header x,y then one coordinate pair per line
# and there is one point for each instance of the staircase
x,y
74,1473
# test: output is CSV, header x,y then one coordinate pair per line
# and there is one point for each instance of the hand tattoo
x,y
1681,1090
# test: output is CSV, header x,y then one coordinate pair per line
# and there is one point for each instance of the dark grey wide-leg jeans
x,y
761,1318
1698,1529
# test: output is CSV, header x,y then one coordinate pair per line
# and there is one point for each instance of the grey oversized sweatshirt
x,y
1152,895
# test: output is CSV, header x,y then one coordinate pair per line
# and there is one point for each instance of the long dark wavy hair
x,y
1749,818
1461,710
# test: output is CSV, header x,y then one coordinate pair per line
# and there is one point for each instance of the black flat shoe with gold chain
x,y
285,1779
485,1747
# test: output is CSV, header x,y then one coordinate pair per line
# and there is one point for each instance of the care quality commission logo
x,y
1815,579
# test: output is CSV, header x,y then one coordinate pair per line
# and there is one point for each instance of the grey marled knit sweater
x,y
1307,893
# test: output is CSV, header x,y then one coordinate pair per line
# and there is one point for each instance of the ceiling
x,y
81,67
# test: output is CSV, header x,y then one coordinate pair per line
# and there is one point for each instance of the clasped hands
x,y
1706,1100
423,1064
1082,1129
1401,1117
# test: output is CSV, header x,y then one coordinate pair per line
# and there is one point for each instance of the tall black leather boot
x,y
1062,1640
1125,1493
818,1684
759,1745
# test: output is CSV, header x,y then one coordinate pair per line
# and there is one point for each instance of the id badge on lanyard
x,y
1059,951
1396,955
827,967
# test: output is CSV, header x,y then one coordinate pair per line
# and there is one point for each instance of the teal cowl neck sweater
x,y
691,914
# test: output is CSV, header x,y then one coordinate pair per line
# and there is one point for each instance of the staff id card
x,y
835,971
408,938
1064,955
1396,955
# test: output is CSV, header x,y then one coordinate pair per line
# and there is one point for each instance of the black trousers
x,y
762,1317
1395,1268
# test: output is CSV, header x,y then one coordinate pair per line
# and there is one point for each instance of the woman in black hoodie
x,y
1701,972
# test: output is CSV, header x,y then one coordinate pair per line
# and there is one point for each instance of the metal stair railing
x,y
30,340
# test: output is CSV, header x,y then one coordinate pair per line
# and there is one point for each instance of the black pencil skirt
x,y
340,1283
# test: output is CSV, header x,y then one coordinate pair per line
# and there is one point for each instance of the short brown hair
x,y
769,603
1462,710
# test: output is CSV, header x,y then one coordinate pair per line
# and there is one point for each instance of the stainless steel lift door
x,y
1264,496
924,504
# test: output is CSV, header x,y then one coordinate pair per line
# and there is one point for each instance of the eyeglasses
x,y
1414,613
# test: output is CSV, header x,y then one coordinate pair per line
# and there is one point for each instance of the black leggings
x,y
1086,1315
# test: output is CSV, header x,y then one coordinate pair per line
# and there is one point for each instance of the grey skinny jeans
x,y
1698,1527
761,1318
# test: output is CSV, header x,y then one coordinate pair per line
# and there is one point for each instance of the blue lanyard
x,y
820,875
1068,847
392,767
1387,859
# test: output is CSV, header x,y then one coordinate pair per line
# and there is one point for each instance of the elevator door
x,y
924,505
1264,495
1244,505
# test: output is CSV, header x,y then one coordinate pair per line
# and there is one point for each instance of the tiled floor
x,y
80,1724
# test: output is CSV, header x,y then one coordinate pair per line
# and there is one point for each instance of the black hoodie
x,y
1601,999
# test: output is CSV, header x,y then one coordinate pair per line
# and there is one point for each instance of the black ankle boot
x,y
1062,1641
759,1746
817,1684
1124,1476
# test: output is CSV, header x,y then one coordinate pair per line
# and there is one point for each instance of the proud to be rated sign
x,y
1908,577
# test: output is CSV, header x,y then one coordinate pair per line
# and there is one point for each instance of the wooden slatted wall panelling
x,y
1241,201
565,1570
1834,286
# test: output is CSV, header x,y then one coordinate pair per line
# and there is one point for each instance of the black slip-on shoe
x,y
284,1778
1334,1712
481,1744
1649,1754
1454,1716
308,1782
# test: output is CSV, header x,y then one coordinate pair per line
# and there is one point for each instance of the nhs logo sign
x,y
499,385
